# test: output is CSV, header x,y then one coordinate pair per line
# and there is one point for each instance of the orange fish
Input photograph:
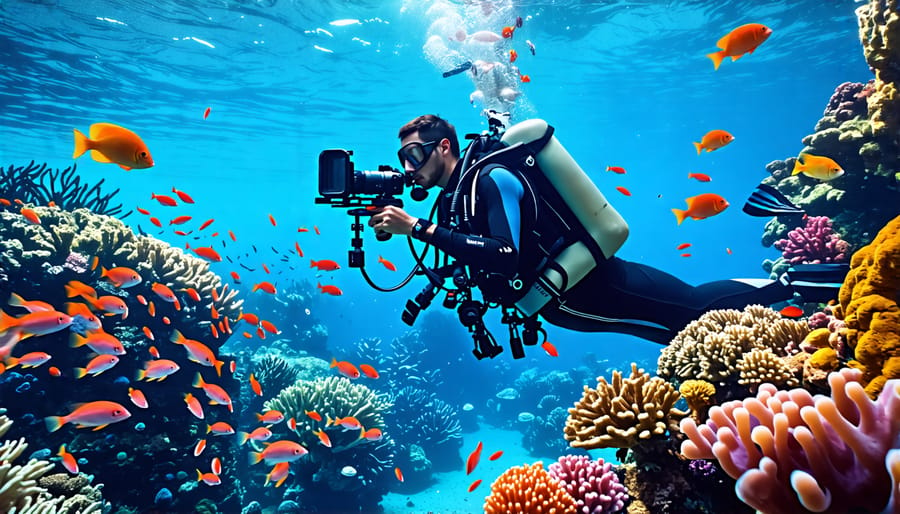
x,y
272,220
166,200
180,220
193,294
345,368
329,289
623,190
96,414
199,447
368,371
387,264
513,55
155,221
259,434
496,455
742,40
269,327
98,341
254,385
474,485
53,371
323,437
682,246
81,310
193,405
121,277
114,144
272,417
313,415
232,366
219,428
278,474
206,112
685,255
264,286
164,292
550,349
372,434
231,235
137,398
702,177
30,215
186,198
324,265
253,319
208,478
29,305
235,276
701,206
97,365
347,422
507,32
616,169
473,458
713,140
157,370
197,351
292,424
316,230
216,466
791,311
299,251
208,252
398,474
525,78
35,323
215,393
265,268
153,352
68,460
279,451
29,360
148,333
5,202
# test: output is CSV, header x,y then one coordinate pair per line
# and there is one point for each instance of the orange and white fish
x,y
197,351
216,466
550,349
97,365
192,294
157,370
78,288
194,406
368,371
372,434
278,474
208,478
742,40
215,393
713,140
345,368
34,323
121,276
323,437
96,414
114,144
137,398
258,434
30,215
68,460
98,341
701,206
199,447
163,291
347,422
271,417
279,451
29,360
815,166
29,305
313,415
219,428
398,474
109,304
91,322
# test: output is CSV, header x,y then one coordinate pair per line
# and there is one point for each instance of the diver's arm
x,y
499,196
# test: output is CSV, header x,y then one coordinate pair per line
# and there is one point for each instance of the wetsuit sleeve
x,y
498,210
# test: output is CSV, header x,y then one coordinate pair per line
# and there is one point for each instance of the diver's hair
x,y
432,127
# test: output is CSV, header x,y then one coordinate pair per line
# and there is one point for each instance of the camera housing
x,y
338,179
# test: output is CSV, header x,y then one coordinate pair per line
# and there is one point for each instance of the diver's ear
x,y
445,145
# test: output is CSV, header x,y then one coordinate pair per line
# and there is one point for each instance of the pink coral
x,y
794,453
592,483
813,244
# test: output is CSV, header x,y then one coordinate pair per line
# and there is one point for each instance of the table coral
x,y
528,489
592,483
814,243
868,304
623,413
794,453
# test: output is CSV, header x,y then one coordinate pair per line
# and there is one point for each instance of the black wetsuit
x,y
617,296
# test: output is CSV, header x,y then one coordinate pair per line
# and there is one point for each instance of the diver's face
x,y
423,159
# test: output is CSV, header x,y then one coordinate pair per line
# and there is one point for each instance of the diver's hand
x,y
393,220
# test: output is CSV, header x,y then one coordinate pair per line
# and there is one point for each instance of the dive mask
x,y
416,153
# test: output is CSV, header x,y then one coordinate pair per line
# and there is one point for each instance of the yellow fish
x,y
815,166
115,144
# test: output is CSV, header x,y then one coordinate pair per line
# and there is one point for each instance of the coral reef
x,y
868,305
792,452
42,185
592,483
320,471
421,418
26,489
699,395
542,436
879,32
623,413
528,489
815,243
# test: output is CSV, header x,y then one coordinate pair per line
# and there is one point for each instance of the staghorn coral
x,y
815,243
711,347
20,491
592,483
868,305
274,373
623,413
528,489
698,394
792,452
41,185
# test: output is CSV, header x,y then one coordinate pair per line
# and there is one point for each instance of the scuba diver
x,y
529,250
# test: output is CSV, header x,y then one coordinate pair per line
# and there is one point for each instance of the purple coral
x,y
76,262
792,453
592,483
815,243
848,101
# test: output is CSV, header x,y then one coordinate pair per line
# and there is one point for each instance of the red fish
x,y
137,398
180,220
682,246
121,276
728,250
254,385
387,264
206,224
616,169
701,207
208,252
253,319
208,478
231,235
398,474
164,292
30,215
265,287
271,417
324,265
68,460
193,405
299,251
513,55
206,112
199,447
323,437
474,485
193,294
624,191
142,211
473,458
265,268
155,221
329,289
685,255
368,371
272,220
197,351
345,368
525,78
278,474
96,414
791,311
507,32
269,327
372,434
313,415
279,451
235,276
166,200
316,230
219,428
742,40
550,349
701,177
496,455
216,466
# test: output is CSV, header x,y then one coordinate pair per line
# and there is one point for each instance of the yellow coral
x,y
761,365
818,338
699,395
825,359
624,413
868,304
879,31
528,489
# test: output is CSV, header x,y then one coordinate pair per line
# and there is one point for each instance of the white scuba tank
x,y
601,221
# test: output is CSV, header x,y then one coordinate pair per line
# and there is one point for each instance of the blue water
x,y
625,83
